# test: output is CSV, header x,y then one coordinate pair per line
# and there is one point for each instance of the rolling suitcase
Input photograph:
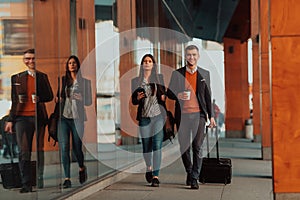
x,y
10,173
215,170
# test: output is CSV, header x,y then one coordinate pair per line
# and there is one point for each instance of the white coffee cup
x,y
187,93
33,97
22,98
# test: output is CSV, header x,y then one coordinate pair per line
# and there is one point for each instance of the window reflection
x,y
16,36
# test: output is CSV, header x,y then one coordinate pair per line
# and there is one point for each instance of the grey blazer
x,y
203,92
85,89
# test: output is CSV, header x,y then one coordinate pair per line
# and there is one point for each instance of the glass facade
x,y
110,54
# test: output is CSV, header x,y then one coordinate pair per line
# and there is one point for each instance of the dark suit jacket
x,y
135,85
203,92
86,92
43,91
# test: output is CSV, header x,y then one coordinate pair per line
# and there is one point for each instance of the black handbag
x,y
53,125
53,119
169,127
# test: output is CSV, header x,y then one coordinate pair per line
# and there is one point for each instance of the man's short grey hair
x,y
191,47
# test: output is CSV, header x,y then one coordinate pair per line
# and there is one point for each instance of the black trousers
x,y
25,128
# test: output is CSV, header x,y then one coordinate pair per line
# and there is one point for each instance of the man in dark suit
x,y
190,88
30,90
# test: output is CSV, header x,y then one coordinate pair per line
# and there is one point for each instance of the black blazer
x,y
160,91
43,91
86,92
203,92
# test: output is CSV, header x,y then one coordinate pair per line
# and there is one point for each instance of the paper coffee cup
x,y
187,94
22,98
33,97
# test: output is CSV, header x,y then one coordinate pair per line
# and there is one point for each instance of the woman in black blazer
x,y
148,92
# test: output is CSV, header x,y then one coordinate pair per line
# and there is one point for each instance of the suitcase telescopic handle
x,y
217,141
207,141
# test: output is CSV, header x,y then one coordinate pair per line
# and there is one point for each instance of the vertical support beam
x,y
52,40
126,10
285,47
168,61
236,87
256,71
85,38
256,92
265,81
85,28
51,35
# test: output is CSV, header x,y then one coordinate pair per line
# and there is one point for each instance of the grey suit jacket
x,y
203,92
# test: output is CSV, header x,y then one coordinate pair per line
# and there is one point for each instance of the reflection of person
x,y
190,87
10,147
148,92
30,89
219,116
216,109
74,95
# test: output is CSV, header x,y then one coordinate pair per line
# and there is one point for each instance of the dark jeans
x,y
151,131
76,128
191,125
25,128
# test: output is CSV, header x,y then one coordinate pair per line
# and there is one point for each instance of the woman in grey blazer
x,y
75,94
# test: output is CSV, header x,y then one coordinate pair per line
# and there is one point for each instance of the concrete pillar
x,y
126,23
285,47
236,87
265,86
256,76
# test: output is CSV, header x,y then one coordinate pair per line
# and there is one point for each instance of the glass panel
x,y
109,60
16,36
68,62
108,101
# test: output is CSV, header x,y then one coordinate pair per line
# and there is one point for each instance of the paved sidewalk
x,y
251,179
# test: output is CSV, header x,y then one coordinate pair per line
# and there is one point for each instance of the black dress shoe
x,y
194,184
82,176
67,184
149,176
26,189
155,182
188,179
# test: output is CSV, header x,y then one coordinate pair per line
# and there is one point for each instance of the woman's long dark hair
x,y
154,75
69,80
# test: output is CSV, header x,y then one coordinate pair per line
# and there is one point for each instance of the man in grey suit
x,y
190,88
